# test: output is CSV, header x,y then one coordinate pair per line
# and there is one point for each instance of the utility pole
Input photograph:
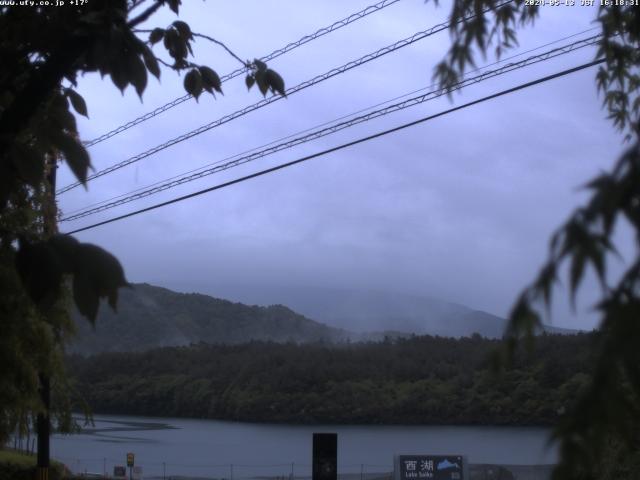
x,y
43,421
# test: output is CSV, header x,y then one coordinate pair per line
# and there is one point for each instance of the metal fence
x,y
104,468
510,472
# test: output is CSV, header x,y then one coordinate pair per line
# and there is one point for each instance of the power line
x,y
267,101
342,117
276,53
240,160
344,145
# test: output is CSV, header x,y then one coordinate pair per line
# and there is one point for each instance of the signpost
x,y
430,467
130,464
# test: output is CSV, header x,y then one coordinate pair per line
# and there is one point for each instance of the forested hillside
x,y
425,380
150,317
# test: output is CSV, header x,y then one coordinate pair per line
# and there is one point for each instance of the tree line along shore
x,y
418,380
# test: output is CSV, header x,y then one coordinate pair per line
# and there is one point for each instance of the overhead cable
x,y
276,53
342,146
330,122
439,92
267,101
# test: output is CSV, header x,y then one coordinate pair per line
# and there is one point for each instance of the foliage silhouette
x,y
609,408
43,49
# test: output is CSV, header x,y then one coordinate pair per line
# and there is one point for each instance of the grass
x,y
14,464
16,458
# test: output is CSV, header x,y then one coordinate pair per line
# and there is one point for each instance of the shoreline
x,y
165,419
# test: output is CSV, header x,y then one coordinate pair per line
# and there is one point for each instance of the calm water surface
x,y
216,449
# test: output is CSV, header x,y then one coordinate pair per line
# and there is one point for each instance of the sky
x,y
458,208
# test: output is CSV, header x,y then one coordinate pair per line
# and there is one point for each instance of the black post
x,y
325,456
43,422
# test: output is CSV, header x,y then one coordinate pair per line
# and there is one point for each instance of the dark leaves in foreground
x,y
266,79
609,408
96,273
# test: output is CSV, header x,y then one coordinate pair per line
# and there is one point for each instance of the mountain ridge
x,y
374,310
151,316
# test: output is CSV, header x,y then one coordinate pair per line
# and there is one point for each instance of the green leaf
x,y
60,115
156,35
97,274
193,83
77,101
210,79
118,44
175,45
173,5
275,81
596,254
75,154
260,65
249,81
63,119
66,248
577,269
150,61
168,38
119,75
85,297
137,73
545,282
523,319
261,81
183,29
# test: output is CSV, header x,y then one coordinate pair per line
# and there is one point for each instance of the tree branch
x,y
218,42
145,15
166,64
135,4
206,37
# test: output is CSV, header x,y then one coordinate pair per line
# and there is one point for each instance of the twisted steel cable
x,y
344,145
342,117
276,53
419,99
267,101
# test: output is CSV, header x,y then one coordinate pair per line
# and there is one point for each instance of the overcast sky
x,y
458,208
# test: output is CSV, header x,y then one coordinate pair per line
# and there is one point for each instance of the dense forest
x,y
418,380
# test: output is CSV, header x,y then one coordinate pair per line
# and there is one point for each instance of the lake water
x,y
216,449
